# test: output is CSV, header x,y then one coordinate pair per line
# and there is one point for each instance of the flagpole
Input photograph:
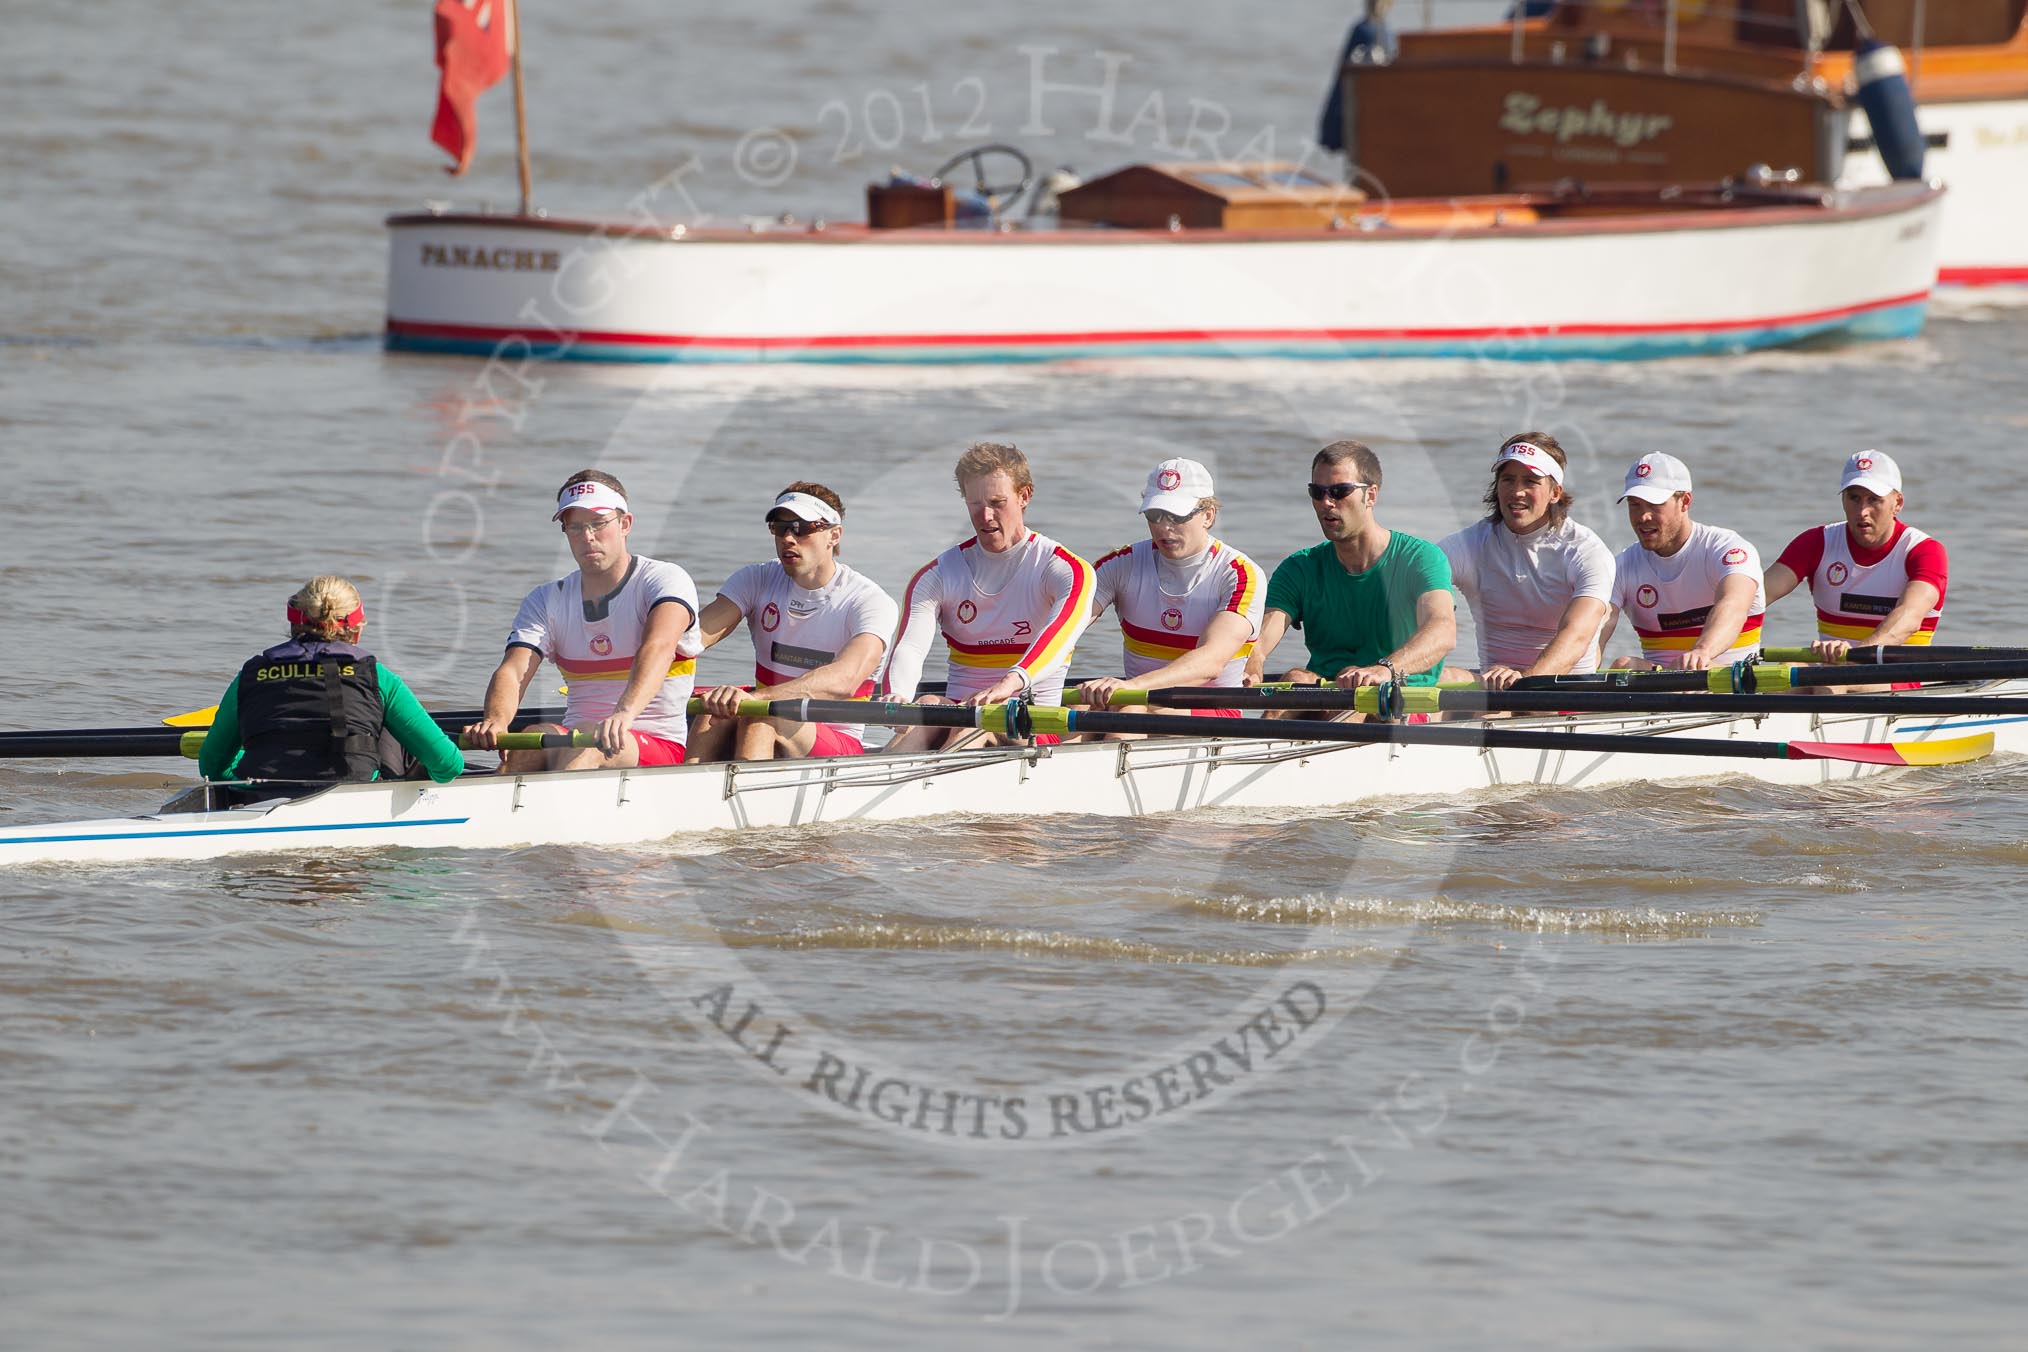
x,y
520,107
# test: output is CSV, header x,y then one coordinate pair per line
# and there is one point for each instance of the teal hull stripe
x,y
1903,321
229,831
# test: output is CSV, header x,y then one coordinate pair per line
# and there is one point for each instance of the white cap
x,y
1176,487
591,495
807,507
1874,471
1532,457
1656,478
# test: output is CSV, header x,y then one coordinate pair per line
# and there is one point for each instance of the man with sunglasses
x,y
819,630
1374,604
623,631
1189,605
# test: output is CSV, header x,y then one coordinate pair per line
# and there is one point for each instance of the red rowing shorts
x,y
833,740
1215,713
658,750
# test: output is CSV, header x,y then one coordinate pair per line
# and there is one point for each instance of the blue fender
x,y
1890,107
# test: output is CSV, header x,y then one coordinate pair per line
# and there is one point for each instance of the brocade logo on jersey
x,y
1647,597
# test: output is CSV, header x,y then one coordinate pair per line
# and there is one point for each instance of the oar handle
x,y
533,741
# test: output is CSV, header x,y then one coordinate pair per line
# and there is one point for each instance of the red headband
x,y
352,621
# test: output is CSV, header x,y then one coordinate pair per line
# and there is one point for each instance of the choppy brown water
x,y
1699,1065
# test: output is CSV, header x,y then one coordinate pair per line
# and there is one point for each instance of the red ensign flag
x,y
475,48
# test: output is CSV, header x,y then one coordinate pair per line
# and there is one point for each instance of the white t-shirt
x,y
796,630
593,643
1023,607
1519,585
1668,600
1165,606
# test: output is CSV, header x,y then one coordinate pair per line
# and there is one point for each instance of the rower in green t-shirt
x,y
1375,604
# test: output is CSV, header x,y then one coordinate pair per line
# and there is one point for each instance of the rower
x,y
1010,604
623,631
1876,579
819,630
319,710
1374,604
1539,584
1189,605
1692,592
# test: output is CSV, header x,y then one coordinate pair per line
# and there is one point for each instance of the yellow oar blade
x,y
196,718
1947,750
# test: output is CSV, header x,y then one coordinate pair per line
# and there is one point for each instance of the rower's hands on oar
x,y
1831,649
722,701
484,735
1499,678
1294,676
1007,687
1098,694
611,733
1353,677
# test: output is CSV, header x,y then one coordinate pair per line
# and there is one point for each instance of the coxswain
x,y
1539,584
1189,605
1009,602
819,630
1876,579
623,631
1692,592
1374,604
319,710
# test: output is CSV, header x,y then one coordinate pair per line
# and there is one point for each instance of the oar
x,y
172,742
1746,679
1030,720
1428,700
1906,652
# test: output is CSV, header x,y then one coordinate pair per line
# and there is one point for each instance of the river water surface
x,y
1701,1065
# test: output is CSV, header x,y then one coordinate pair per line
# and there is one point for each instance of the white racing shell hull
x,y
1117,779
1657,283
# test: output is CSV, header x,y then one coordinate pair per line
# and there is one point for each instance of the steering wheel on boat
x,y
977,157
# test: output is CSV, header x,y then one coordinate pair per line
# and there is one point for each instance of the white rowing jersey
x,y
1519,586
1023,608
1668,599
796,630
593,643
1853,597
1164,606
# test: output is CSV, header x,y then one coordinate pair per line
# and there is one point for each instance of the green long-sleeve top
x,y
410,723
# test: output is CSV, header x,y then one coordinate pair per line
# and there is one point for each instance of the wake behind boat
x,y
1106,779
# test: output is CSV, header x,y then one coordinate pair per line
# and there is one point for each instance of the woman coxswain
x,y
319,710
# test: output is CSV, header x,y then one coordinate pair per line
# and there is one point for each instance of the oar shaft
x,y
1768,676
1401,734
1875,654
1001,718
1428,699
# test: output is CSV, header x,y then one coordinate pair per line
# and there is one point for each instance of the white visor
x,y
592,496
808,508
1530,456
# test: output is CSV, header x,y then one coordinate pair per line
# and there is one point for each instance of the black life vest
x,y
310,711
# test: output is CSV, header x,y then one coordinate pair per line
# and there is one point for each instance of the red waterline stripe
x,y
1982,276
415,329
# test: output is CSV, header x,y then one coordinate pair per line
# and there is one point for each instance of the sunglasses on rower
x,y
1335,492
795,526
1155,518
